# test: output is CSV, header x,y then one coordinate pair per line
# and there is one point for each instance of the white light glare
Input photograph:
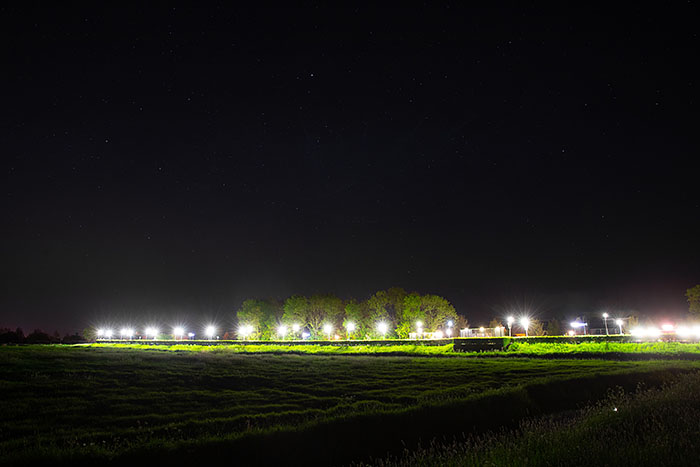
x,y
100,333
525,321
419,324
605,315
653,331
295,327
178,331
245,330
210,331
127,332
667,327
282,330
618,322
438,335
510,320
450,324
350,326
151,332
327,328
108,333
577,324
382,328
696,331
448,331
683,331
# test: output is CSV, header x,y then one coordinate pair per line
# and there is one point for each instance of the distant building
x,y
498,331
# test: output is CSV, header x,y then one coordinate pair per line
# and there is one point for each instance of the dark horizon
x,y
166,163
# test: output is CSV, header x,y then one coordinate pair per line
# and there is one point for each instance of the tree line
x,y
387,313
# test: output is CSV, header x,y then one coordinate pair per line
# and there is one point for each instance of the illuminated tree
x,y
262,315
357,314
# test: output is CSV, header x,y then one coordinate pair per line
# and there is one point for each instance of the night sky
x,y
170,162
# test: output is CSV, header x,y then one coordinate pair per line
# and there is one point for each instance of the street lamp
x,y
178,331
349,328
525,323
295,327
619,324
210,332
327,328
605,320
152,332
282,330
510,325
382,328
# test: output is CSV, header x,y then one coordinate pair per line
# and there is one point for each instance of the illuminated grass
x,y
515,348
82,403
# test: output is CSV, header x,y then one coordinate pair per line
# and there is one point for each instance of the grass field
x,y
82,404
515,348
657,426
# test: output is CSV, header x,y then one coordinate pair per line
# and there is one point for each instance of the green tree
x,y
495,323
262,315
554,328
324,310
357,314
438,311
535,328
693,295
294,311
411,313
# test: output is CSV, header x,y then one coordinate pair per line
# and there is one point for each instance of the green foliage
x,y
693,295
263,315
357,314
554,328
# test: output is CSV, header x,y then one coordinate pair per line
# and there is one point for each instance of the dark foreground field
x,y
78,405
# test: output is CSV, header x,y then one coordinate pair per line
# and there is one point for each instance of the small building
x,y
498,331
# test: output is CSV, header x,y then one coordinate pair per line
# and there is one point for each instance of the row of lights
x,y
153,332
382,327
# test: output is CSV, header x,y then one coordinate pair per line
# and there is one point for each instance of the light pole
x,y
619,325
525,322
510,325
605,320
349,329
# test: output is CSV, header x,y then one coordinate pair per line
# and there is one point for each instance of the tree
x,y
262,315
411,313
535,328
632,322
357,314
693,295
324,310
495,323
438,311
554,328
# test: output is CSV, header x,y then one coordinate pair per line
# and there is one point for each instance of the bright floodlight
x,y
282,330
481,329
178,331
448,331
350,326
605,315
245,330
108,333
382,328
667,327
638,332
100,333
683,331
295,327
572,332
127,332
618,322
327,328
438,335
510,320
525,322
305,335
419,324
210,331
151,332
653,331
190,335
450,324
